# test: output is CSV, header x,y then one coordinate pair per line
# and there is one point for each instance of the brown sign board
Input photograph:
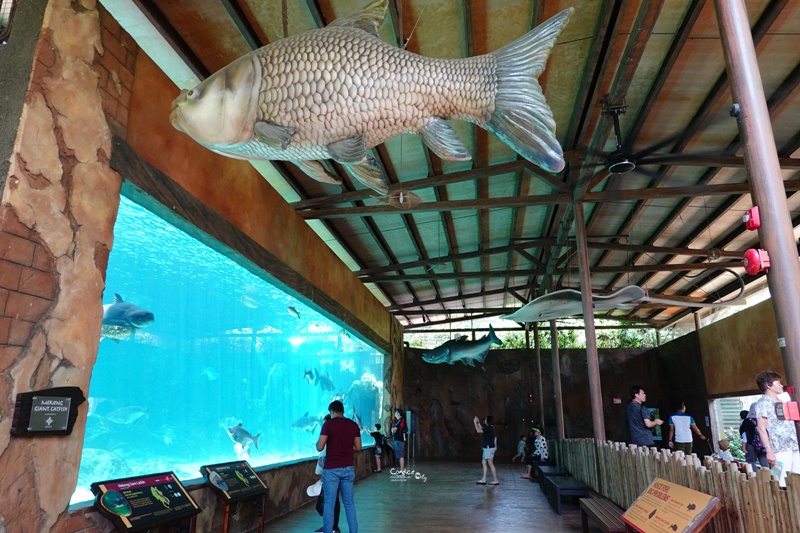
x,y
665,507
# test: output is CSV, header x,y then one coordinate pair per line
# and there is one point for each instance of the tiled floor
x,y
443,497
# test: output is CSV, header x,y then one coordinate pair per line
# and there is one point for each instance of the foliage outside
x,y
736,444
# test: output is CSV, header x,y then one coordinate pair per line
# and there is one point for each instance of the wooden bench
x,y
558,486
543,471
534,470
604,513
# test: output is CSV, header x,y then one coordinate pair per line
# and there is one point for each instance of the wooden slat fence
x,y
752,502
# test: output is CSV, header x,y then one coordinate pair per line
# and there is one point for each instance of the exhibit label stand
x,y
665,507
234,483
143,502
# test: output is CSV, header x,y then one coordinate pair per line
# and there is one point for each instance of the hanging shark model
x,y
460,349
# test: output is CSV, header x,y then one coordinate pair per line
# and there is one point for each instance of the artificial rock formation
x,y
56,229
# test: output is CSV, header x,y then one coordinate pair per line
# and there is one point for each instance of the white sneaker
x,y
314,490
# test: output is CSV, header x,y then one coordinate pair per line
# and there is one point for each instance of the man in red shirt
x,y
342,437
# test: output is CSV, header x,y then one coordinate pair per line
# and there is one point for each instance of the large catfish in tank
x,y
121,320
460,349
336,92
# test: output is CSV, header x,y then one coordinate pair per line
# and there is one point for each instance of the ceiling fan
x,y
624,160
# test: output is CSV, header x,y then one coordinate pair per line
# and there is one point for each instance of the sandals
x,y
480,483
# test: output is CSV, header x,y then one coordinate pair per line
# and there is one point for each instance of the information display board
x,y
140,503
234,481
47,412
669,508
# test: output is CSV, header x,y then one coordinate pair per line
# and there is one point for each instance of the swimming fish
x,y
324,381
357,419
209,373
459,349
336,92
121,319
248,302
292,311
128,415
309,376
306,423
241,436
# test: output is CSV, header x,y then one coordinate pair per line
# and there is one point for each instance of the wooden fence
x,y
752,502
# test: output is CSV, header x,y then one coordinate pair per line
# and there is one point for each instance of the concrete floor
x,y
446,500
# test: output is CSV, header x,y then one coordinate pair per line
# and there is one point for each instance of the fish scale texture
x,y
340,82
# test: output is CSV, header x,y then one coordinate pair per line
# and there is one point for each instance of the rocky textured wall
x,y
56,228
446,398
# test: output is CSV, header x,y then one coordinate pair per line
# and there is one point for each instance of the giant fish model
x,y
121,319
336,92
569,302
460,349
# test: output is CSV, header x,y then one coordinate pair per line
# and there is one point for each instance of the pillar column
x,y
59,204
761,158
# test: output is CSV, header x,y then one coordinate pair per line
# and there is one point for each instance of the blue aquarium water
x,y
210,346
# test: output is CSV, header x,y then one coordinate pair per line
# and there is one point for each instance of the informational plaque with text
x,y
140,503
233,481
669,508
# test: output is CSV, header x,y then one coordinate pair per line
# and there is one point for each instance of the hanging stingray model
x,y
568,302
336,92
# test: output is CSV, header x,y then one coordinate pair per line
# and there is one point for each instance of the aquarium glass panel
x,y
203,362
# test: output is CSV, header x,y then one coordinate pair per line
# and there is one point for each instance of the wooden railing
x,y
751,502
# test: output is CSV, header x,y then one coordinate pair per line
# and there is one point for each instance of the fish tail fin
x,y
521,116
255,440
493,338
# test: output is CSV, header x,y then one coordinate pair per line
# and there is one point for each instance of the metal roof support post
x,y
761,159
557,380
592,360
538,349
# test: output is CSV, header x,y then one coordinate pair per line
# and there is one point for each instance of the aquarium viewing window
x,y
202,362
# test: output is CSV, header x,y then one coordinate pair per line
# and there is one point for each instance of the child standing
x,y
520,450
724,450
489,442
379,442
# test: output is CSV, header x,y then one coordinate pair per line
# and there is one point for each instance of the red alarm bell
x,y
755,261
751,219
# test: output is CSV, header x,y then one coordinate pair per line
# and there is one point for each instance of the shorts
x,y
488,453
378,451
399,448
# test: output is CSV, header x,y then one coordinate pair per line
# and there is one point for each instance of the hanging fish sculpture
x,y
460,349
336,92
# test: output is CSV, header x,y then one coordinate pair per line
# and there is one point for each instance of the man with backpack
x,y
754,451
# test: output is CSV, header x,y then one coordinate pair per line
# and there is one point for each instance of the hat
x,y
314,490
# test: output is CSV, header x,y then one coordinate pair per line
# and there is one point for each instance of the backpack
x,y
757,444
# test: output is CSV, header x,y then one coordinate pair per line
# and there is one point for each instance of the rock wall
x,y
447,398
56,221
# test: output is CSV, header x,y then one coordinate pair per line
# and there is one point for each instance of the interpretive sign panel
x,y
48,412
669,508
233,481
140,503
